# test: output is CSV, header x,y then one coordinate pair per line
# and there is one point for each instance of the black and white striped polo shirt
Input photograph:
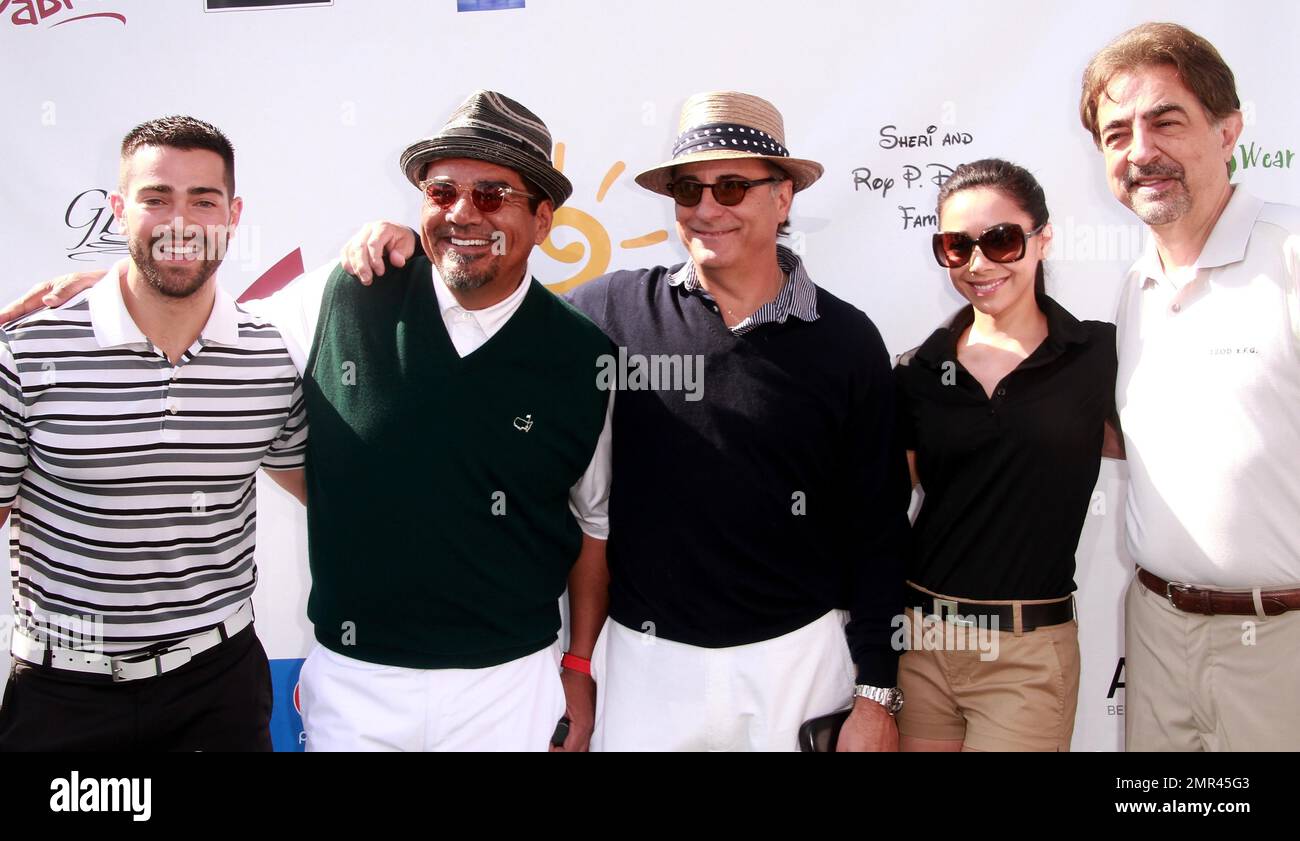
x,y
132,481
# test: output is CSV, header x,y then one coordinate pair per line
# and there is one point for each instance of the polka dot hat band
x,y
722,125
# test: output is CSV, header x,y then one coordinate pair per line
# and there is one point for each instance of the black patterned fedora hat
x,y
492,127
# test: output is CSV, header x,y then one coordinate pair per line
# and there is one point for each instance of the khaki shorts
x,y
1023,699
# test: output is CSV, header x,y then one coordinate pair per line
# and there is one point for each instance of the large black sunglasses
x,y
1004,243
728,192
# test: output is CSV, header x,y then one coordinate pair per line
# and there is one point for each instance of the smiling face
x,y
1165,157
995,289
722,238
173,206
473,250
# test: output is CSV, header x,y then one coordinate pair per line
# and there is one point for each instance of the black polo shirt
x,y
1007,479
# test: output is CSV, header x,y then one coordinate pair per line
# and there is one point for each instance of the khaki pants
x,y
1022,699
1208,683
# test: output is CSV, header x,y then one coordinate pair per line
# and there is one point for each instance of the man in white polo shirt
x,y
1209,399
133,420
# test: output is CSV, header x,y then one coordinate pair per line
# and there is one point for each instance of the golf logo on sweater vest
x,y
525,423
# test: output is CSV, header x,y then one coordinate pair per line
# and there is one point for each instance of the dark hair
x,y
1199,66
181,132
1014,182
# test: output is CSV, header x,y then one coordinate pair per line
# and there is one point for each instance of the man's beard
x,y
461,277
460,273
174,278
1170,206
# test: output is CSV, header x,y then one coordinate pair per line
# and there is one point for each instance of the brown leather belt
x,y
1191,599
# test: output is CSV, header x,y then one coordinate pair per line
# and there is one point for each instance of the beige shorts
x,y
1022,699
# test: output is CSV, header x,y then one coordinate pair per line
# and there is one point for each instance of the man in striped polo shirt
x,y
133,420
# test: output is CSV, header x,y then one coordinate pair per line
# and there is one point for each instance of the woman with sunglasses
x,y
1004,412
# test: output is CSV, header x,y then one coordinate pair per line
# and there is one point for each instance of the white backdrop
x,y
319,102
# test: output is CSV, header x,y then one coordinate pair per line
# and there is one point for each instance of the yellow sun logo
x,y
598,248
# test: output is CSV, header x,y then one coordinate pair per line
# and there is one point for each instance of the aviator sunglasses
x,y
728,192
1003,243
488,198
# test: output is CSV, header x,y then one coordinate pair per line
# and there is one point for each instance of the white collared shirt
x,y
469,329
114,326
295,309
1209,399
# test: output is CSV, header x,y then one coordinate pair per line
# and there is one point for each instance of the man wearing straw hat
x,y
757,524
749,526
454,473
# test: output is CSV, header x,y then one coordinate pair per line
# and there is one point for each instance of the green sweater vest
x,y
439,529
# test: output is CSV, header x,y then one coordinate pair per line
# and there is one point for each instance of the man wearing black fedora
x,y
457,480
758,525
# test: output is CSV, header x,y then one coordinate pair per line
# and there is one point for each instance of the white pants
x,y
352,705
661,695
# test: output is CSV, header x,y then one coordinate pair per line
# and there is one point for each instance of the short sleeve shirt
x,y
1007,479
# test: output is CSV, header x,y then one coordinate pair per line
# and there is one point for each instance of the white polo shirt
x,y
1209,399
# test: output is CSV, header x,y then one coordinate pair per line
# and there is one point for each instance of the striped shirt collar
x,y
797,298
114,325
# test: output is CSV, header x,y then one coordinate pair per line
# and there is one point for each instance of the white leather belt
x,y
129,666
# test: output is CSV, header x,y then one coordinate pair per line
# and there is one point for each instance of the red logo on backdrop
x,y
36,12
297,697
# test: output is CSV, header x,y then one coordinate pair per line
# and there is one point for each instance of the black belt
x,y
1031,615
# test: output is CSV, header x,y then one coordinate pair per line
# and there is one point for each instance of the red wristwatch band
x,y
576,663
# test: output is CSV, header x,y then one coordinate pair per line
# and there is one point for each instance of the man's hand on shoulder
x,y
50,293
364,254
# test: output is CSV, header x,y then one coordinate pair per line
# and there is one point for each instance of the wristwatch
x,y
891,698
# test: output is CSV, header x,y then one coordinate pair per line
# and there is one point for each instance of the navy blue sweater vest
x,y
776,496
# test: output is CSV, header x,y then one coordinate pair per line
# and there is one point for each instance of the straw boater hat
x,y
721,125
491,127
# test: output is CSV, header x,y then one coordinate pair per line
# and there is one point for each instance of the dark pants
x,y
219,701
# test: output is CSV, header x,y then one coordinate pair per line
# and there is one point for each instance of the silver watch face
x,y
891,699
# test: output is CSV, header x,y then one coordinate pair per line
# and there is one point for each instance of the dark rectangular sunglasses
x,y
728,192
1004,243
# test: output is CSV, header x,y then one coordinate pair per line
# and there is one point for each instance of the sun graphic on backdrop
x,y
598,248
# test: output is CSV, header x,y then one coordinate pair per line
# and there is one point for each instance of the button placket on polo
x,y
172,404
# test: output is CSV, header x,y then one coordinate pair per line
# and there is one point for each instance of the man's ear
x,y
236,208
545,216
1230,128
117,204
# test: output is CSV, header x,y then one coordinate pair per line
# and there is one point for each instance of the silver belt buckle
x,y
947,609
164,659
1171,586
